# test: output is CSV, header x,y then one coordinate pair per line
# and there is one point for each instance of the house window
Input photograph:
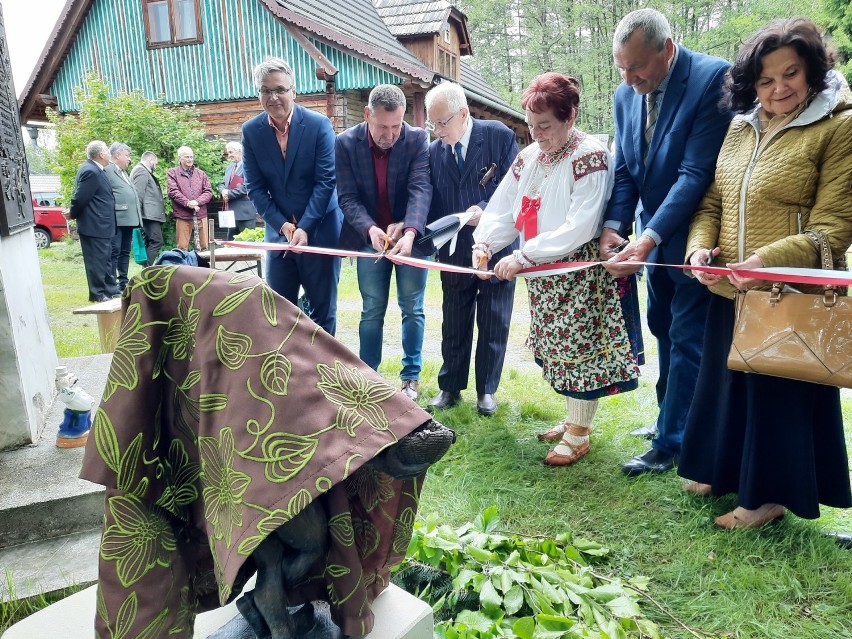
x,y
171,22
446,31
447,64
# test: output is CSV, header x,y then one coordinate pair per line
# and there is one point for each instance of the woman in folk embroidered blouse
x,y
584,329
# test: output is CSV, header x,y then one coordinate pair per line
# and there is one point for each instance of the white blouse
x,y
574,192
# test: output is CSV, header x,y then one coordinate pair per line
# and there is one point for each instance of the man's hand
x,y
224,194
745,283
480,262
636,251
394,231
299,237
477,211
507,268
193,204
287,229
404,244
377,239
66,213
702,257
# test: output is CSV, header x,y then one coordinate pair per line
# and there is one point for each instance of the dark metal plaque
x,y
16,206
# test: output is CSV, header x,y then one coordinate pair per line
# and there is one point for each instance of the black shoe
x,y
648,431
652,461
98,300
844,540
444,400
486,405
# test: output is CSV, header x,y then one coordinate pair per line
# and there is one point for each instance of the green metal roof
x,y
237,34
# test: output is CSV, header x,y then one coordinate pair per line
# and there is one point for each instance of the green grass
x,y
785,581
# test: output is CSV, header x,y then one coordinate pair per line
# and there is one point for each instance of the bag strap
x,y
821,241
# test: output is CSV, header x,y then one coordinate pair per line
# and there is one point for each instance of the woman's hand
x,y
745,283
703,257
507,268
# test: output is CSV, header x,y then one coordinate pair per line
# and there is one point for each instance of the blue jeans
x,y
374,284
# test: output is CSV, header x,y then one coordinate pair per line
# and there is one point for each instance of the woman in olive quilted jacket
x,y
785,168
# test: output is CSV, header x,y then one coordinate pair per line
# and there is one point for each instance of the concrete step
x,y
49,565
42,496
398,615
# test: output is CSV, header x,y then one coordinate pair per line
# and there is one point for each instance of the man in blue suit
x,y
289,166
384,188
668,131
467,162
93,206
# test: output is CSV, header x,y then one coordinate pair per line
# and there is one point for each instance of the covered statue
x,y
233,431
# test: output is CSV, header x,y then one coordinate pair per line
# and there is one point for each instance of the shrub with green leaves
x,y
250,235
482,582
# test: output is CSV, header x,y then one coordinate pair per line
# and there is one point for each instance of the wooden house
x,y
201,52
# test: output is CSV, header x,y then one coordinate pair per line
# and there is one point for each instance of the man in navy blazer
x,y
93,206
384,189
663,165
289,165
467,161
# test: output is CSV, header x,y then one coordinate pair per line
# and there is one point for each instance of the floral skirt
x,y
584,329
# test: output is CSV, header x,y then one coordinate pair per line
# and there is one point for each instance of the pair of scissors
x,y
385,251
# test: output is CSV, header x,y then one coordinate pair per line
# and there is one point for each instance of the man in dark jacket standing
x,y
384,190
127,216
467,161
151,200
190,191
93,206
234,191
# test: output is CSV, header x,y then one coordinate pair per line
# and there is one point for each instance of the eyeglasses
x,y
279,92
431,126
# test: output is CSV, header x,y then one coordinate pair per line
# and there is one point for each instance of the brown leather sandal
x,y
698,488
741,517
578,450
554,433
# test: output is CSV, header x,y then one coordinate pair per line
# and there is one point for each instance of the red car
x,y
50,224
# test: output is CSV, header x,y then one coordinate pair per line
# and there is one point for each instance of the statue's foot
x,y
248,609
415,452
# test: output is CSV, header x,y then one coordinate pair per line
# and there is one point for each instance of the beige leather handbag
x,y
795,335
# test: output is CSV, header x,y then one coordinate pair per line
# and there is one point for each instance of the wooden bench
x,y
109,321
230,256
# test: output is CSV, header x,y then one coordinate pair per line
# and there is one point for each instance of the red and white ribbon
x,y
812,276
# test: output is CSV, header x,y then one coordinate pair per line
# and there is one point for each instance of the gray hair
x,y
148,156
388,96
233,145
270,66
653,24
118,147
185,150
95,148
452,92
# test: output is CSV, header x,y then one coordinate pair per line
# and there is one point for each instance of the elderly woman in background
x,y
784,171
584,329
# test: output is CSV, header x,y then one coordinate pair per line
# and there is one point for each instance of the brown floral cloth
x,y
226,412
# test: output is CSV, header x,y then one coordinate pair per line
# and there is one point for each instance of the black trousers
x,y
153,232
97,260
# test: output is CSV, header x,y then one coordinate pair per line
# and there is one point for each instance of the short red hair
x,y
555,91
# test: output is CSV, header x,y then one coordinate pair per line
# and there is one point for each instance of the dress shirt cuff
x,y
614,225
653,235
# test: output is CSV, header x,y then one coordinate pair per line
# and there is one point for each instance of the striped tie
x,y
651,108
459,157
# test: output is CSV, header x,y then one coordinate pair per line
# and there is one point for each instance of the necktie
x,y
459,157
652,110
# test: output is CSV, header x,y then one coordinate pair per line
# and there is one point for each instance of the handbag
x,y
140,254
802,336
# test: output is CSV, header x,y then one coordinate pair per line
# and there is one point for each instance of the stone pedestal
x,y
27,353
399,615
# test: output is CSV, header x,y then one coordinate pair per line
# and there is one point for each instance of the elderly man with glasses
x,y
288,158
468,159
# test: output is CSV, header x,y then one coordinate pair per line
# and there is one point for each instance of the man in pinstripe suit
x,y
467,162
